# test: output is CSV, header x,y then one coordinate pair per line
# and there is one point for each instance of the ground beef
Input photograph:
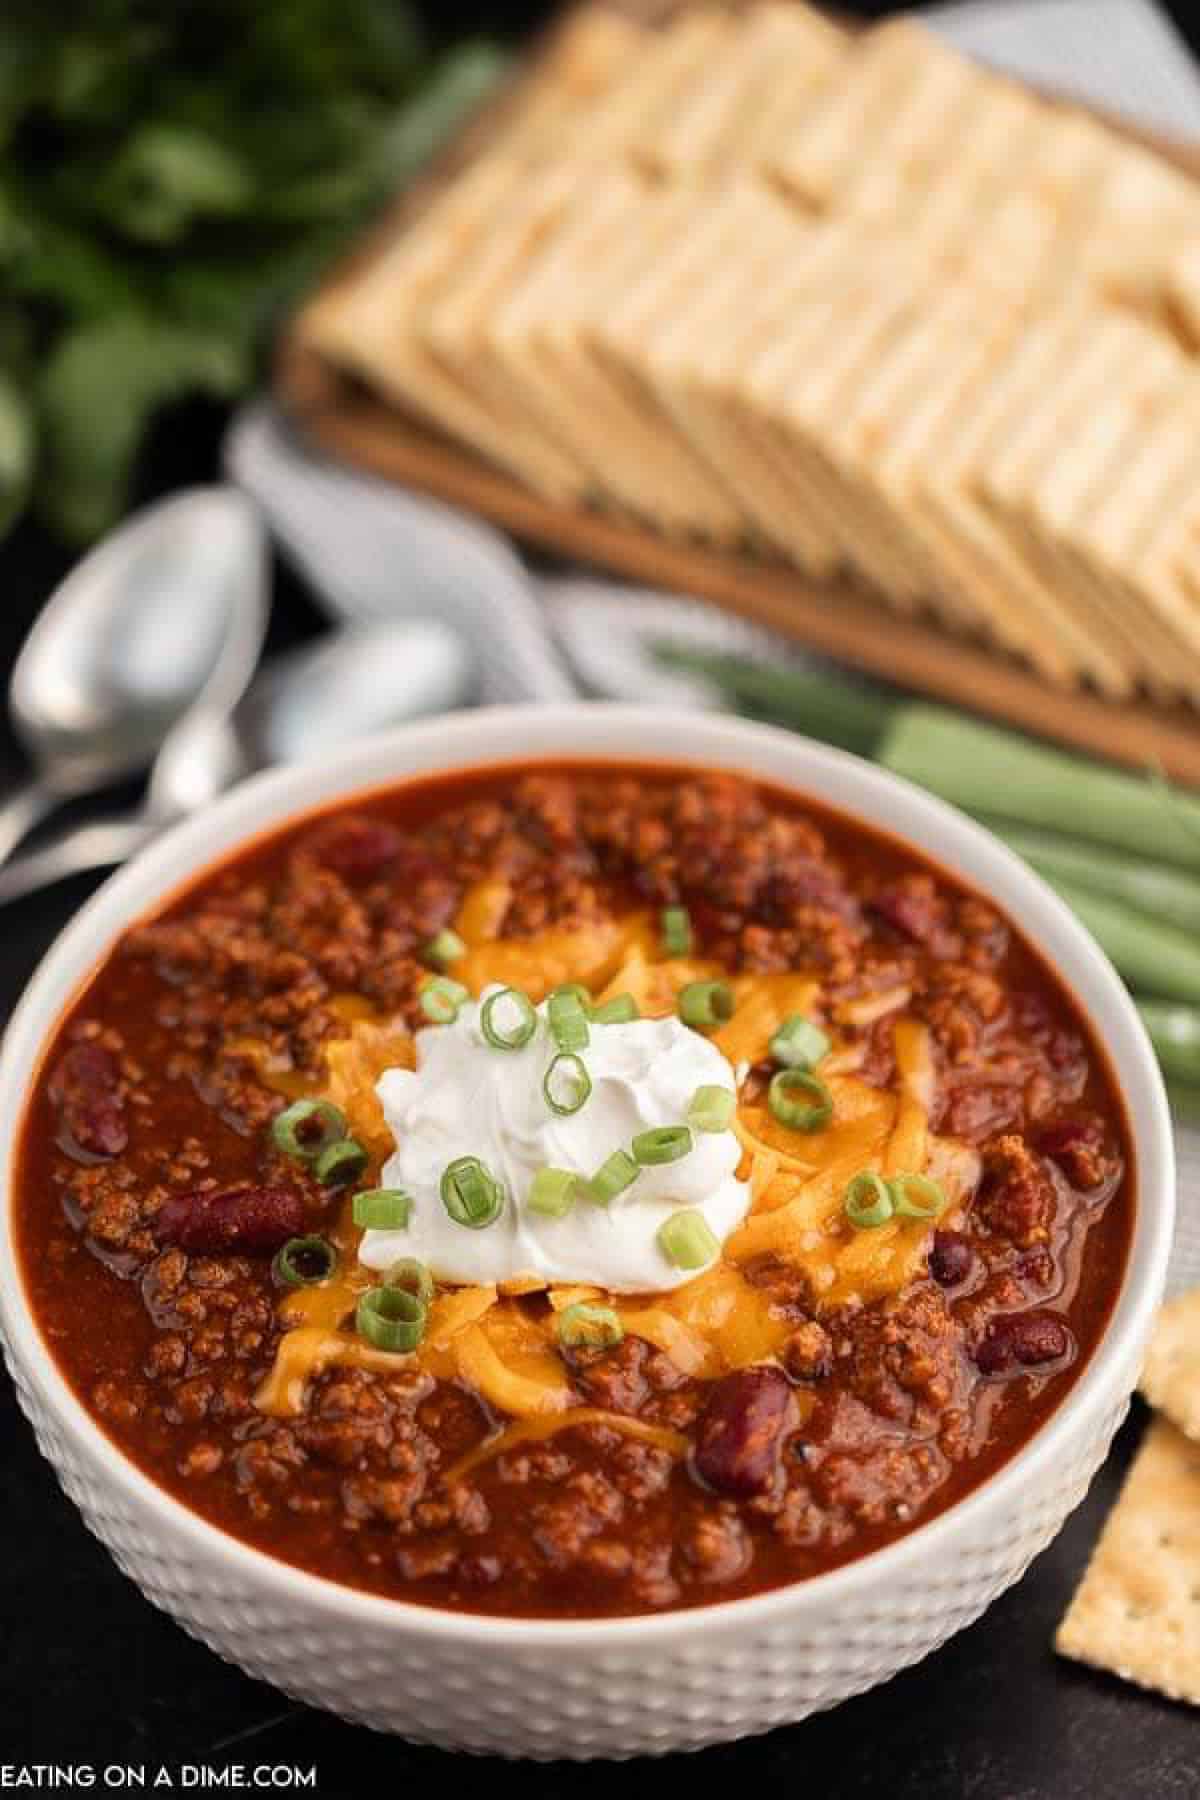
x,y
902,1359
1017,1198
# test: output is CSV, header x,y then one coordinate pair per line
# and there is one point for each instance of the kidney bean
x,y
85,1087
739,1432
951,1258
912,907
1023,1340
1077,1145
247,1219
356,848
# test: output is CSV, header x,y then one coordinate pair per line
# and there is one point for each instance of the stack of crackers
x,y
846,300
1137,1610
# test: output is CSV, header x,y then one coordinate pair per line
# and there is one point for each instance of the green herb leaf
x,y
165,178
100,388
16,449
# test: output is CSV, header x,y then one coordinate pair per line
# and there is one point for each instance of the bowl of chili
x,y
886,1341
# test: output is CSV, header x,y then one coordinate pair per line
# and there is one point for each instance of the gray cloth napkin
x,y
372,551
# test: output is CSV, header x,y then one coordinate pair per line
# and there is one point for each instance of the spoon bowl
x,y
350,683
163,619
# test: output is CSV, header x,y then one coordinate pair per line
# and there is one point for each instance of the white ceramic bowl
x,y
618,1687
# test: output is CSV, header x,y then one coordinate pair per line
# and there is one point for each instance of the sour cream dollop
x,y
467,1098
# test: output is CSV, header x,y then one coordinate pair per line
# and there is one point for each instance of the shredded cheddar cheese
x,y
506,1388
308,1351
870,1007
504,1344
763,1002
585,953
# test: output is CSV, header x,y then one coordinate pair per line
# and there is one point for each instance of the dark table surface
x,y
92,1675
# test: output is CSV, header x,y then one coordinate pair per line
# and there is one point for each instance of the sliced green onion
x,y
444,948
800,1100
471,1194
665,1144
391,1318
568,1019
676,931
306,1127
798,1043
382,1209
441,998
916,1197
686,1239
867,1202
589,1327
413,1276
341,1162
566,1083
703,1004
617,1011
304,1261
507,1019
552,1193
614,1175
582,994
711,1108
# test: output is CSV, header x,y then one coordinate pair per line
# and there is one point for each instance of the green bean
x,y
1168,894
1175,1033
986,770
1154,958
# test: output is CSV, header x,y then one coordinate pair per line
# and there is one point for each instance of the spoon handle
x,y
22,809
94,846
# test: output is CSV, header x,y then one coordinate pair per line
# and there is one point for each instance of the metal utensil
x,y
162,621
350,683
302,705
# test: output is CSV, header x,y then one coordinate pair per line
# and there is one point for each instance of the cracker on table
x,y
667,68
1181,292
831,143
1052,432
1133,468
1123,529
1137,1610
591,48
634,452
676,295
1024,608
1170,1377
1145,209
700,303
894,424
1097,441
925,132
804,404
373,327
776,51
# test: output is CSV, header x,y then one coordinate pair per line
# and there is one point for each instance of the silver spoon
x,y
165,616
304,704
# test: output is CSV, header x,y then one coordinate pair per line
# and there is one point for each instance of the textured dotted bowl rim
x,y
609,733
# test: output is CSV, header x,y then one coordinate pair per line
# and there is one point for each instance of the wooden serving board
x,y
345,418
